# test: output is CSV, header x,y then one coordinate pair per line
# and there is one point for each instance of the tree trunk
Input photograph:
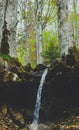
x,y
9,19
38,4
27,44
75,5
1,18
64,31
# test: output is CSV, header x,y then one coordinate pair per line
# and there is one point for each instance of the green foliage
x,y
48,36
51,53
21,51
51,49
21,55
32,50
23,14
5,57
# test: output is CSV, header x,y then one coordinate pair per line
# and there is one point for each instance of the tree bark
x,y
1,18
38,4
27,44
75,5
9,20
64,31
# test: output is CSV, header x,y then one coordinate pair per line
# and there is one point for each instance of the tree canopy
x,y
39,28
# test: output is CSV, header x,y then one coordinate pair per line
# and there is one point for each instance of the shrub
x,y
51,53
5,57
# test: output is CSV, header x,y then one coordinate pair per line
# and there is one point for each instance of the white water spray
x,y
34,125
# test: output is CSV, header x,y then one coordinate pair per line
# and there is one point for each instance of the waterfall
x,y
38,101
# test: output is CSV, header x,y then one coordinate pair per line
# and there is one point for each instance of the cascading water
x,y
38,100
34,125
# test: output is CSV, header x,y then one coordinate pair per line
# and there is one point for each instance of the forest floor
x,y
70,123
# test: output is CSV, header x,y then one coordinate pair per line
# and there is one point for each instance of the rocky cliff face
x,y
60,92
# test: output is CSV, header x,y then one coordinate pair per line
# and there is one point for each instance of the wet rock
x,y
40,67
28,67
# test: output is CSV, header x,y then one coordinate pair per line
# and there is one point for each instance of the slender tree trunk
x,y
75,3
64,31
75,22
27,44
27,10
77,10
38,4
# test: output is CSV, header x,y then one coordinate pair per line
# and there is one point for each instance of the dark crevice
x,y
4,42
